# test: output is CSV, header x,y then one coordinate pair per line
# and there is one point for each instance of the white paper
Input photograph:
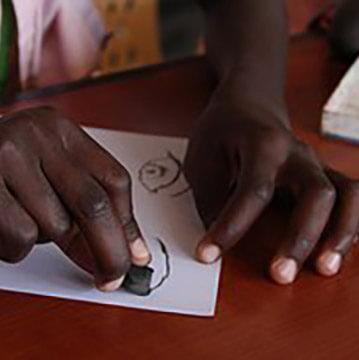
x,y
168,214
341,113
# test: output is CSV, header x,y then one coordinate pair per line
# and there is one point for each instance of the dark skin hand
x,y
85,205
243,150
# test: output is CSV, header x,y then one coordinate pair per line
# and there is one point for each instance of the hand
x,y
238,159
57,183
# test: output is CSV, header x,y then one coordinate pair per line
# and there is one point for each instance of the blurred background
x,y
66,40
144,32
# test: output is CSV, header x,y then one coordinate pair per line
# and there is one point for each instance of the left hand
x,y
238,159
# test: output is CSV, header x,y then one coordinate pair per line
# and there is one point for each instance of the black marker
x,y
138,279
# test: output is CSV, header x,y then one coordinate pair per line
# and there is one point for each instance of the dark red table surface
x,y
313,319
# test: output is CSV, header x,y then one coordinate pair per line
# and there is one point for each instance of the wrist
x,y
251,103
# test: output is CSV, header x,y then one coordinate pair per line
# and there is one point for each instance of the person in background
x,y
51,52
56,183
50,41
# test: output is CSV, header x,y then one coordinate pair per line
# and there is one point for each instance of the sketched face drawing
x,y
161,173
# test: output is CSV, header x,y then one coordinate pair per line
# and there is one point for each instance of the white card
x,y
340,116
165,210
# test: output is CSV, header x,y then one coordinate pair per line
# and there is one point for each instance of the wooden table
x,y
313,319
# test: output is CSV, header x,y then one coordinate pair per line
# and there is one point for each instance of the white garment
x,y
59,40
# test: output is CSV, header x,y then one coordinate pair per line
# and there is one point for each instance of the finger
x,y
115,179
309,218
211,179
253,193
18,231
93,212
27,181
344,229
76,247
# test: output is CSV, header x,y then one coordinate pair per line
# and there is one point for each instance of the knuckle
x,y
264,190
17,249
27,235
61,124
131,230
39,117
326,190
273,146
126,219
9,150
274,141
59,227
118,178
93,203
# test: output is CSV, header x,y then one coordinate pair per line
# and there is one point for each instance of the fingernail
x,y
329,263
140,253
111,285
284,270
208,253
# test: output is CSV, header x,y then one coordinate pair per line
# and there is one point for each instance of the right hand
x,y
57,183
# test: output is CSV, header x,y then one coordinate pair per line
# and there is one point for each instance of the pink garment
x,y
59,40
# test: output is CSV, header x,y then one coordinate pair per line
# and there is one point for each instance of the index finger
x,y
253,193
93,212
115,179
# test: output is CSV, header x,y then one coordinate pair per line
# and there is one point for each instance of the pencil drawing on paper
x,y
161,174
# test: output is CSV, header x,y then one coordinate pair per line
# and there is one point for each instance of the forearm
x,y
247,45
